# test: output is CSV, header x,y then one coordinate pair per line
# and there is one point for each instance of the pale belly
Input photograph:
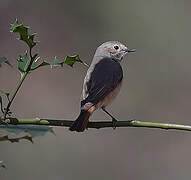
x,y
109,98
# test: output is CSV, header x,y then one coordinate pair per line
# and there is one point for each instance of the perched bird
x,y
102,82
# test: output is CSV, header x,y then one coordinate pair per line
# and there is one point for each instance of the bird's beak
x,y
129,50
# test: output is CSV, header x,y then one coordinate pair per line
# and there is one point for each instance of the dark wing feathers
x,y
105,77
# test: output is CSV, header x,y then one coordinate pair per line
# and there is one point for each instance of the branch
x,y
98,125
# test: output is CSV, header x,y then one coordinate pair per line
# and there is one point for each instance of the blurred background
x,y
156,88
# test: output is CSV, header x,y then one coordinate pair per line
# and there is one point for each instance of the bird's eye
x,y
116,47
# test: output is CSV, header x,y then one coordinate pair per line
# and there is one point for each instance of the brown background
x,y
156,88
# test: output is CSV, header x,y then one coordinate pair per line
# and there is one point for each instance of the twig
x,y
99,124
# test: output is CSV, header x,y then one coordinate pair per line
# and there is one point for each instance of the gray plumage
x,y
102,82
104,73
103,79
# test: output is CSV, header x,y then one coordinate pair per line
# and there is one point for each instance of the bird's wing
x,y
105,77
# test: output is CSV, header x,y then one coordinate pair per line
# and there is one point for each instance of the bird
x,y
102,82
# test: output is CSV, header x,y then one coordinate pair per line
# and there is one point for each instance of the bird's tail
x,y
80,124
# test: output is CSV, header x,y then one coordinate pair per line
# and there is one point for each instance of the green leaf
x,y
35,62
2,165
56,63
70,60
15,139
23,32
23,62
4,60
33,130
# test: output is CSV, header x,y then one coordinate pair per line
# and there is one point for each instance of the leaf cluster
x,y
28,62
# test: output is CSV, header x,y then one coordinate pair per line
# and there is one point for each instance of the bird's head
x,y
114,50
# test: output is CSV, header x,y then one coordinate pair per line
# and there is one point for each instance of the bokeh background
x,y
156,88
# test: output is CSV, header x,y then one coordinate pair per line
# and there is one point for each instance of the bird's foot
x,y
114,123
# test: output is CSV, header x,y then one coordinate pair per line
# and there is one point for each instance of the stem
x,y
23,76
14,93
98,125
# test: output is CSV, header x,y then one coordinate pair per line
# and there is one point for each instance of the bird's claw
x,y
114,123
